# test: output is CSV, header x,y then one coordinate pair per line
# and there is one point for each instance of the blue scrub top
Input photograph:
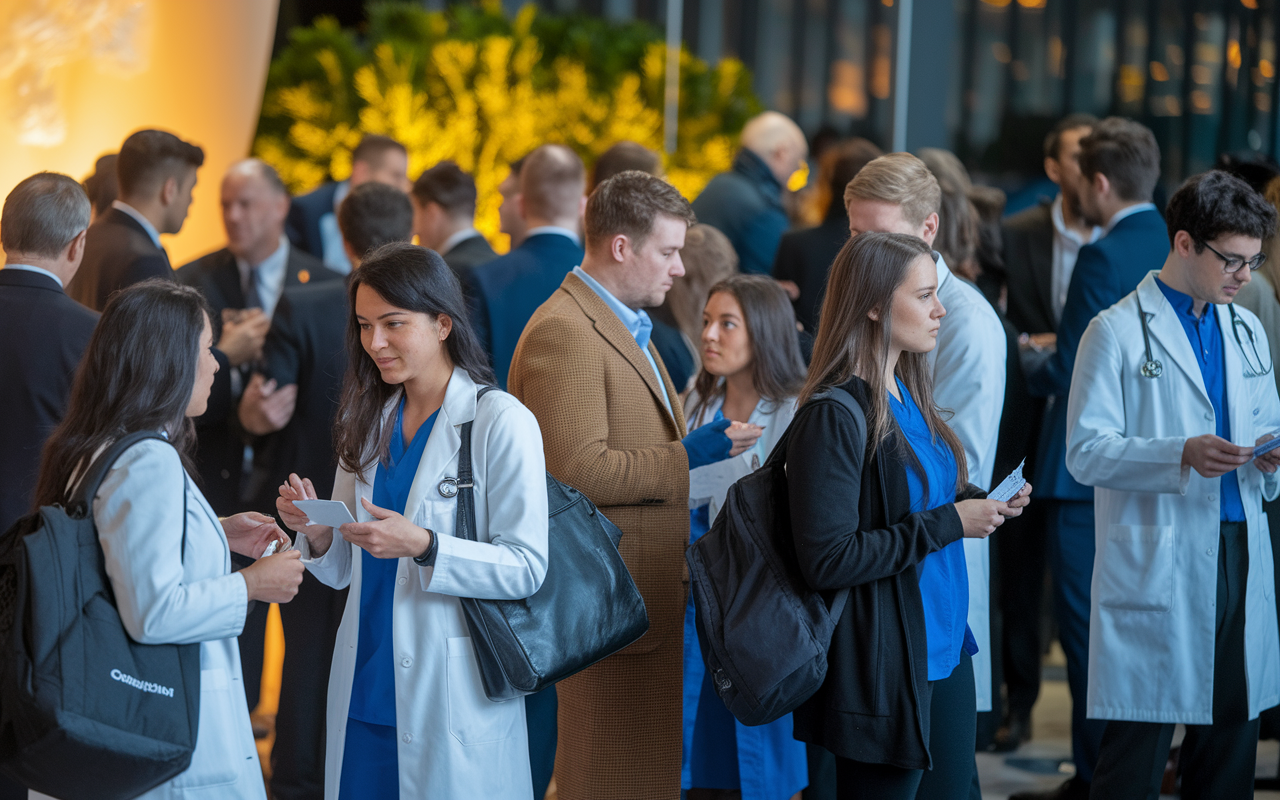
x,y
1206,340
373,688
943,575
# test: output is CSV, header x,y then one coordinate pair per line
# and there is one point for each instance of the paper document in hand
x,y
1010,486
1267,446
325,512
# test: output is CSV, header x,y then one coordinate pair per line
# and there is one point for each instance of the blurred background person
x,y
43,333
708,259
444,211
805,256
751,372
156,172
746,203
510,221
102,186
621,157
313,217
505,292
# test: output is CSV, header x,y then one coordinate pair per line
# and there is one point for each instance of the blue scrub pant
x,y
370,765
1071,550
540,711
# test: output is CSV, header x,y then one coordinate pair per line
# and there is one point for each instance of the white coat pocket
x,y
473,717
1135,568
217,757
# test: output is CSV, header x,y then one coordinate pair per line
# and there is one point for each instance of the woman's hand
x,y
389,536
980,518
1019,501
249,533
274,579
319,537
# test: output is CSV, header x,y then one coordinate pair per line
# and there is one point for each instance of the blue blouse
x,y
943,575
373,687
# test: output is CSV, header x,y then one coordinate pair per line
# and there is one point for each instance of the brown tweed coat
x,y
607,432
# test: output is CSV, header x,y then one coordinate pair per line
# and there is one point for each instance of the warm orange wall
x,y
202,76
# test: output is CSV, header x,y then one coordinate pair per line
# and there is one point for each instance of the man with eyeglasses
x,y
1119,167
1165,411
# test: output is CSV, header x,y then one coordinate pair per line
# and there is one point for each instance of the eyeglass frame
x,y
1253,263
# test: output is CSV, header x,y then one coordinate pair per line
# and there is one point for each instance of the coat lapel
x,y
1040,254
1239,404
617,335
227,278
1167,330
444,442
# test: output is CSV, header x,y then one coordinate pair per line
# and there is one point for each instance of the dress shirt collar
x,y
1128,212
38,270
143,221
944,272
573,235
636,321
1060,225
1183,304
340,194
457,239
270,276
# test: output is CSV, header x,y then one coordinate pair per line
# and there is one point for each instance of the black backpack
x,y
764,633
85,711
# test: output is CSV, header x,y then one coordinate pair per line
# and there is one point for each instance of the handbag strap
x,y
81,502
465,525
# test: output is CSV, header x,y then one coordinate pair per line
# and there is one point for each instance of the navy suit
x,y
118,252
303,223
1105,272
505,292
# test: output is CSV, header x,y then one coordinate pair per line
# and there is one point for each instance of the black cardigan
x,y
853,527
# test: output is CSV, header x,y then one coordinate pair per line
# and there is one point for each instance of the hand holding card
x,y
333,513
1010,486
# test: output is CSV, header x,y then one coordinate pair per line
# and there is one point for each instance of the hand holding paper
x,y
1010,486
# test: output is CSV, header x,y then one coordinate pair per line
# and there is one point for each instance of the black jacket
x,y
44,334
1028,265
805,257
118,253
852,525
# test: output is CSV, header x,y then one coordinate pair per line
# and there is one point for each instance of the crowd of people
x,y
649,352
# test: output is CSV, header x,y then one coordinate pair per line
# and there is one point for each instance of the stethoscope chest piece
x,y
1152,369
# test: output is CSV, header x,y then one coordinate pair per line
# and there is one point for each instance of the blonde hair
x,y
900,179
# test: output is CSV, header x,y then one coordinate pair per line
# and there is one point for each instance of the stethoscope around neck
x,y
1151,368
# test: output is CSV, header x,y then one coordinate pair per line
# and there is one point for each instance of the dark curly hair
x,y
1217,203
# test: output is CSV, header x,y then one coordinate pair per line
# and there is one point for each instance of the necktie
x,y
252,299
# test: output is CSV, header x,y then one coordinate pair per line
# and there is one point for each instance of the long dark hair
x,y
863,279
137,374
777,368
415,279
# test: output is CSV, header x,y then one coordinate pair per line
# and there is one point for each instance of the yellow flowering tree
x,y
477,88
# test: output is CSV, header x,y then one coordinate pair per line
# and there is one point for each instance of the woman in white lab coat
x,y
408,716
1139,421
149,366
751,372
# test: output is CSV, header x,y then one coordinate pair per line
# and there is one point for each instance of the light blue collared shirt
x,y
143,221
637,323
40,270
270,276
335,255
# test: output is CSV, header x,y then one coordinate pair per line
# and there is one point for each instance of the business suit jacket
x,y
1028,263
607,432
1105,272
118,253
302,226
220,442
505,292
44,334
805,257
468,254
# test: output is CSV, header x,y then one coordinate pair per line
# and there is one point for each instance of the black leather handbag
x,y
587,609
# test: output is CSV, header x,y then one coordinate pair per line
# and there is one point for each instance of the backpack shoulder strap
x,y
465,524
835,394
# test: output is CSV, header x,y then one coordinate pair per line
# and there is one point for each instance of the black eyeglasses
x,y
1234,264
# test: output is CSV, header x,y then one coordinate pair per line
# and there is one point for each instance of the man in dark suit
x,y
156,172
1119,166
313,217
505,292
242,283
42,331
306,354
444,211
804,257
1041,245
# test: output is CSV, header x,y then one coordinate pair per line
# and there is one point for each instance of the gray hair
x,y
43,214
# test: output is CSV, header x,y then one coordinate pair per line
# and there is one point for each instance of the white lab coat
x,y
164,598
1151,626
709,484
968,380
453,741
